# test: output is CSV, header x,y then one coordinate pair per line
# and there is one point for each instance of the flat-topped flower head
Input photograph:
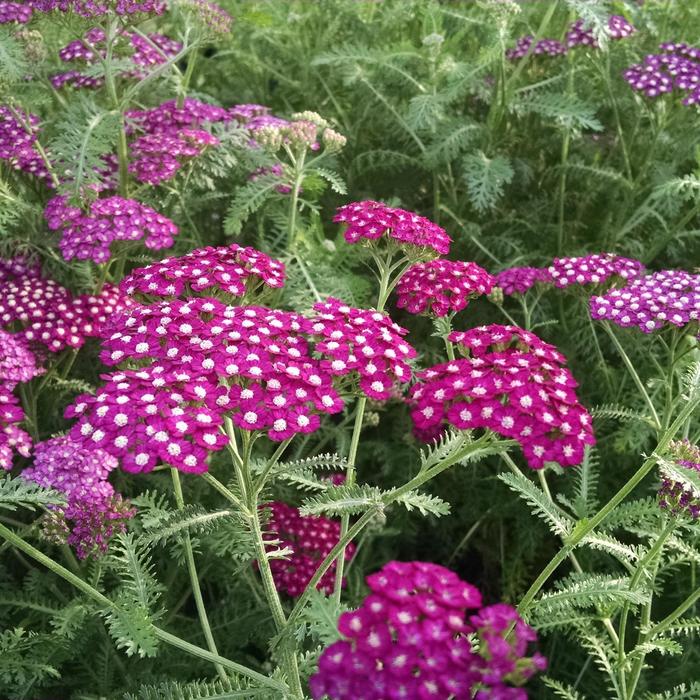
x,y
233,269
213,17
311,538
519,280
17,362
409,639
100,8
543,47
88,235
362,345
13,439
18,136
593,269
439,287
207,360
369,221
680,497
93,513
676,68
617,28
14,12
652,302
512,383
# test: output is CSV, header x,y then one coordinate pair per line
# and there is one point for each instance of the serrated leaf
x,y
486,178
16,492
423,502
191,518
333,179
343,500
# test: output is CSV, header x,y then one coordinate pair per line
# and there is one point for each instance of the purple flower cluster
x,y
48,313
578,35
511,383
675,497
652,302
518,280
678,67
89,235
439,287
14,12
232,269
364,344
99,8
142,51
94,513
168,135
17,365
311,538
370,221
409,639
18,136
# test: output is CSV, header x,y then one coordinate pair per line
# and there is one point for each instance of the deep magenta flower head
x,y
512,383
409,640
17,362
12,437
363,345
89,235
200,361
93,513
675,496
593,269
439,287
233,270
18,135
311,538
369,221
618,28
661,299
519,280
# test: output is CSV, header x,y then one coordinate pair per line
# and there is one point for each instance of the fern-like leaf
x,y
344,500
486,178
16,492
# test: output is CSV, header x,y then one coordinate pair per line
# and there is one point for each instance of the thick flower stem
x,y
194,578
585,527
349,480
298,165
106,603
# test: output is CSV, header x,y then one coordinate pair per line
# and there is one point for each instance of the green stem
x,y
260,482
105,602
189,71
194,578
633,374
226,493
585,527
294,199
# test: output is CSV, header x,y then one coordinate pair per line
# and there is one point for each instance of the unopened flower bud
x,y
302,134
309,116
496,296
270,138
333,141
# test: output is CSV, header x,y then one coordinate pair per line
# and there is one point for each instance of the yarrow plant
x,y
410,638
676,495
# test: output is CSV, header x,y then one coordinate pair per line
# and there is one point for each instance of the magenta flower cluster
x,y
577,35
14,12
598,268
409,640
439,287
311,538
668,297
232,269
17,365
362,344
47,313
370,221
675,497
512,383
18,136
142,51
100,8
93,512
89,235
677,67
167,135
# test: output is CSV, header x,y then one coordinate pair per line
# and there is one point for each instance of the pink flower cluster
x,y
89,235
439,287
48,313
512,383
362,344
311,538
409,640
14,12
99,8
18,137
677,67
370,221
93,513
168,135
17,365
143,51
652,302
593,269
675,497
233,269
171,410
598,268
